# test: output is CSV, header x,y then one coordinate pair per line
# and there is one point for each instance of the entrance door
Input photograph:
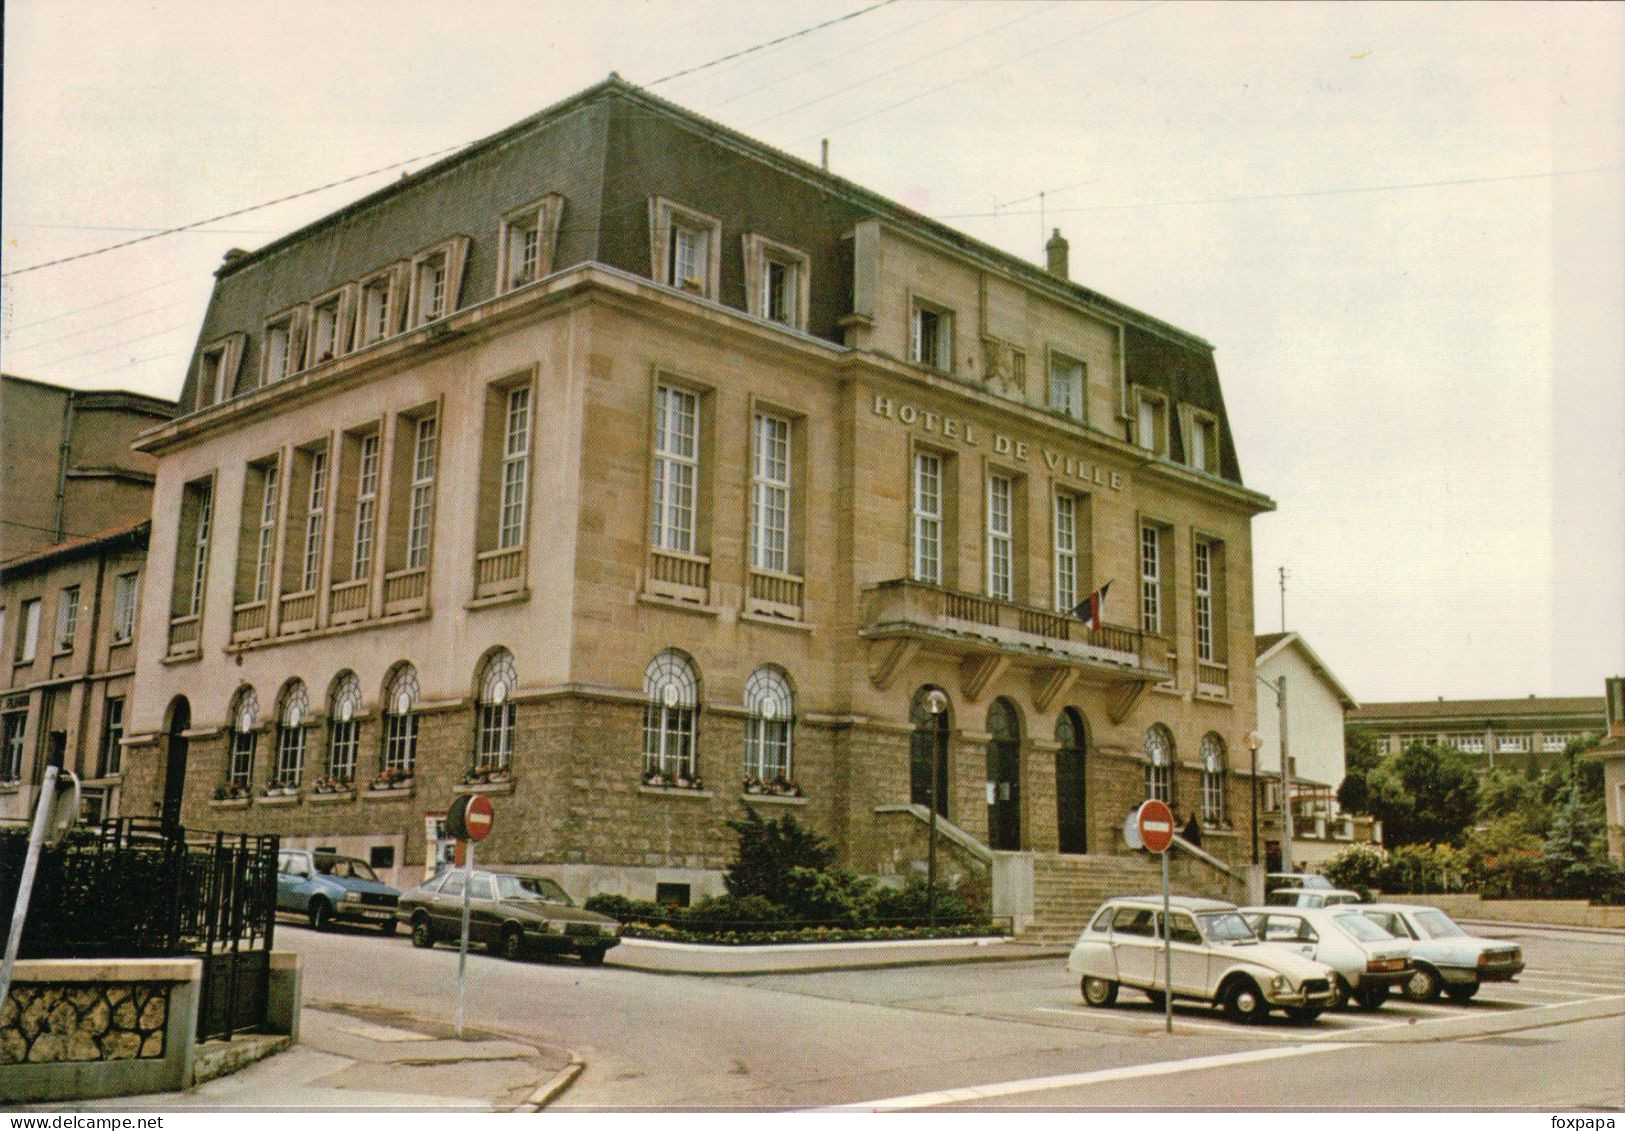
x,y
928,756
1071,785
1004,777
180,720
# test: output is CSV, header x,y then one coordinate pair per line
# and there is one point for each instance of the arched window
x,y
290,735
928,748
1212,779
401,722
672,698
494,743
245,717
1159,770
343,728
770,727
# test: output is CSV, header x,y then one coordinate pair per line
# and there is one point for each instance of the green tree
x,y
768,850
1362,752
1423,794
1577,862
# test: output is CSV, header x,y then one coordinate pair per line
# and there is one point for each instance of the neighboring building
x,y
637,472
66,466
1611,753
76,502
1317,703
1506,733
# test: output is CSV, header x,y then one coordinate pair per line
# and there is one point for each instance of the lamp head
x,y
935,701
1254,741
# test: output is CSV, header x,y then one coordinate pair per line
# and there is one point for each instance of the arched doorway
x,y
1071,782
177,721
928,750
1004,776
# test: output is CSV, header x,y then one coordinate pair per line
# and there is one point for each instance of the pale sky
x,y
1402,226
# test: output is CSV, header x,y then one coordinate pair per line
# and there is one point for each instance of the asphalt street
x,y
1008,1035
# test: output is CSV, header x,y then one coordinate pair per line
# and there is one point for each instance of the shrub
x,y
909,904
767,852
627,910
1424,869
1358,867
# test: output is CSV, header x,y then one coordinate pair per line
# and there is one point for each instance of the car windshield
x,y
1438,925
531,888
1226,926
1362,928
1314,880
344,868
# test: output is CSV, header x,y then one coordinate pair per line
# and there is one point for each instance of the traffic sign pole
x,y
1155,823
462,951
1167,952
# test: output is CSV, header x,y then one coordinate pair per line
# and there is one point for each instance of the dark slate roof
x,y
607,150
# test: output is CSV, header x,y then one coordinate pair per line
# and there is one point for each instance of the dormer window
x,y
436,280
526,242
776,282
376,317
431,288
931,336
1151,422
282,345
217,370
687,251
1201,431
1066,385
329,326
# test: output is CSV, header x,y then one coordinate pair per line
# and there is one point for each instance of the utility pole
x,y
1286,780
1282,570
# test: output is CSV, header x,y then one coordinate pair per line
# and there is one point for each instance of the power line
x,y
993,67
103,325
775,42
1346,191
105,349
899,67
127,228
104,302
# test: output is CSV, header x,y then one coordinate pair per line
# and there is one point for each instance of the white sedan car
x,y
1215,957
1367,959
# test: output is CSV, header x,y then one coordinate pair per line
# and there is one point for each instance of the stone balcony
x,y
901,618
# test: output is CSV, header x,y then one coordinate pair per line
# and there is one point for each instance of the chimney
x,y
1616,706
1055,253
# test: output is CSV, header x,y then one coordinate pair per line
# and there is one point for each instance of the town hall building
x,y
634,472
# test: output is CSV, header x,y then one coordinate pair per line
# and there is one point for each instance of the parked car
x,y
1294,880
508,913
327,888
1444,956
1367,960
1327,896
1216,958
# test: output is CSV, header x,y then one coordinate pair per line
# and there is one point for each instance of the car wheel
x,y
387,927
422,933
321,915
513,944
1422,985
1370,997
1461,994
1304,1014
594,957
1244,1002
1098,992
1340,992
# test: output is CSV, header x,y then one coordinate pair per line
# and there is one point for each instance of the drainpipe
x,y
62,465
79,758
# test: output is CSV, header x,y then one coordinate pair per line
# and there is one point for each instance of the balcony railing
x,y
248,620
683,577
347,601
499,571
183,634
1211,678
776,594
912,608
406,590
299,611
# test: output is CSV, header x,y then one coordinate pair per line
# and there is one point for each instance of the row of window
x,y
14,729
1159,775
25,646
1477,742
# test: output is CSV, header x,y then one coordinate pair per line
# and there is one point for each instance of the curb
x,y
803,962
1507,924
551,1090
1471,1027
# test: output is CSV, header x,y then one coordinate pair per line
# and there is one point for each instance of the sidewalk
x,y
372,1059
653,956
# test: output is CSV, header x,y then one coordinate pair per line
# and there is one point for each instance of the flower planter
x,y
279,799
326,798
228,803
486,786
773,798
398,794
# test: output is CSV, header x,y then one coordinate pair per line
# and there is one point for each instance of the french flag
x,y
1090,609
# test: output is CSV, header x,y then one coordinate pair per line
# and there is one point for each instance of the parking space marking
x,y
1083,1079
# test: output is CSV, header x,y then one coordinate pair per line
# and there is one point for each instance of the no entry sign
x,y
1156,824
470,817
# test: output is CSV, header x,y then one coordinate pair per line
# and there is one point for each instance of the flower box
x,y
397,794
228,803
505,786
331,795
772,799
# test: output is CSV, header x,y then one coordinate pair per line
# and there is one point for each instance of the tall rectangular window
x,y
374,321
27,630
524,251
1066,552
124,594
421,506
343,743
1151,423
1066,385
14,724
676,468
431,288
515,469
265,544
315,522
1204,601
770,494
400,741
1151,579
240,761
525,238
67,617
1203,453
690,256
931,337
112,753
999,502
366,506
928,518
203,497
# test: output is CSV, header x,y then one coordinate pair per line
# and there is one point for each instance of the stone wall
x,y
46,1023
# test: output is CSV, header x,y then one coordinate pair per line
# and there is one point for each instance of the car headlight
x,y
1280,983
352,897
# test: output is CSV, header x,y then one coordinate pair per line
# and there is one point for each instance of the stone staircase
x,y
1066,890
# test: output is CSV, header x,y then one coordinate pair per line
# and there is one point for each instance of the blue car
x,y
330,889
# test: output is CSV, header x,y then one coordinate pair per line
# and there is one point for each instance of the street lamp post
x,y
937,703
1254,741
1279,687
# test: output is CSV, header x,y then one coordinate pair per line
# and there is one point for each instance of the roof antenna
x,y
1282,570
1041,226
824,160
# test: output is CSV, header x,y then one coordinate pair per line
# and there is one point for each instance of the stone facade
x,y
627,610
48,1023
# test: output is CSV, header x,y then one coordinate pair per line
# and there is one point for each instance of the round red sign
x,y
1156,824
478,817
